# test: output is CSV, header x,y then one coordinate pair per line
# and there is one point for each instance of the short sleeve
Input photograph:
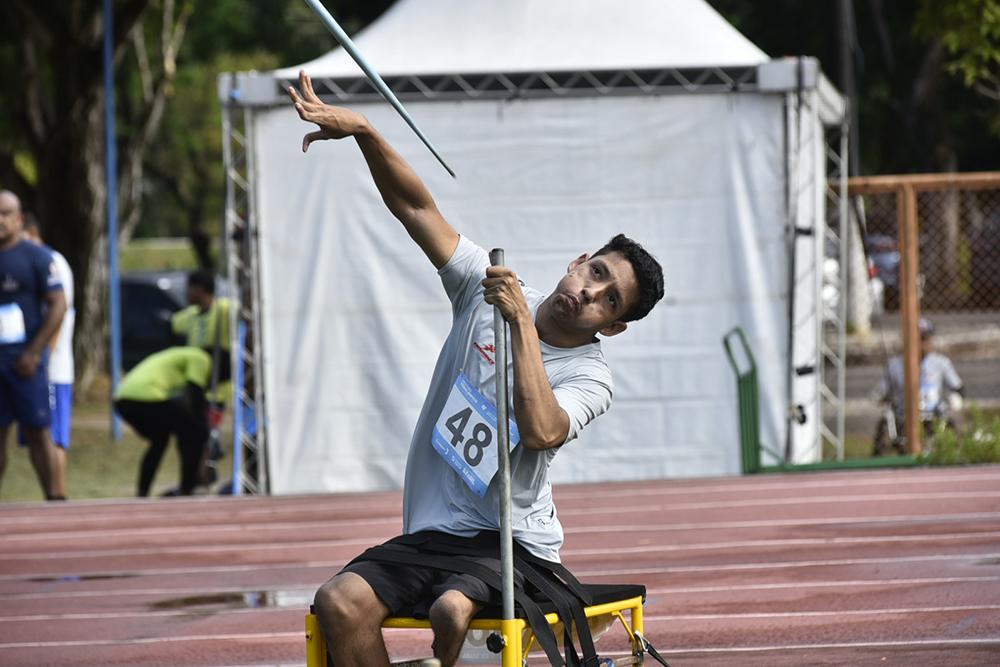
x,y
462,276
585,395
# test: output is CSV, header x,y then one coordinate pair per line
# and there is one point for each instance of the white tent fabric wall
x,y
354,314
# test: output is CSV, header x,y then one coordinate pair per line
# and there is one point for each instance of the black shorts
x,y
412,589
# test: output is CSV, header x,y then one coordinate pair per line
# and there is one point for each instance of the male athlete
x,y
559,380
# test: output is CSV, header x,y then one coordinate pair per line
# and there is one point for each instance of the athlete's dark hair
x,y
204,279
648,274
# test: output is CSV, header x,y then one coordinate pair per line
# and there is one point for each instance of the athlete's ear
x,y
614,328
578,261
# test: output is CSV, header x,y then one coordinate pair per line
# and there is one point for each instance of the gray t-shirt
x,y
937,377
434,496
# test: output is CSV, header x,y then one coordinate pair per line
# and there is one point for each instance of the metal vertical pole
x,y
111,167
842,212
503,466
909,270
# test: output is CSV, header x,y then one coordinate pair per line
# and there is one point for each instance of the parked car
x,y
149,298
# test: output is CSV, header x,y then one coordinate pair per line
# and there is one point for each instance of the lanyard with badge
x,y
12,328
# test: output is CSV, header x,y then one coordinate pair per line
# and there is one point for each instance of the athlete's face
x,y
596,293
11,219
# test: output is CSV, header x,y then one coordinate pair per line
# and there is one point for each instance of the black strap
x,y
552,579
646,646
570,610
652,652
487,542
397,554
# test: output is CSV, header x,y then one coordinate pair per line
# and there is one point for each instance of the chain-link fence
x,y
948,225
959,247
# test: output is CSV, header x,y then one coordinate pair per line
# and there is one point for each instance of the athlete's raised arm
x,y
402,190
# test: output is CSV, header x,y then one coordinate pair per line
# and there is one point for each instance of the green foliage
x,y
184,161
978,442
970,31
184,188
912,117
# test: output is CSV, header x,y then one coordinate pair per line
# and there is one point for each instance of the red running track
x,y
886,567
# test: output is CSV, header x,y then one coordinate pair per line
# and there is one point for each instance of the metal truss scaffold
x,y
249,408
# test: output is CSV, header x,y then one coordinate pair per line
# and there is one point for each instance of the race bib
x,y
11,324
465,434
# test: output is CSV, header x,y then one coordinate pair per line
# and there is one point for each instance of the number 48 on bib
x,y
465,434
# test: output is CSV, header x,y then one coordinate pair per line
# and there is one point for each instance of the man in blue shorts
x,y
32,306
559,383
60,369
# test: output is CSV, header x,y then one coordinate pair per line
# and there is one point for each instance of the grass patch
x,y
171,254
158,255
976,442
96,465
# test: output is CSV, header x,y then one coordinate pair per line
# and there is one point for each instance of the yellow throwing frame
x,y
517,644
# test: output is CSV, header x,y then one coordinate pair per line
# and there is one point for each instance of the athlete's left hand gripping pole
x,y
503,475
345,41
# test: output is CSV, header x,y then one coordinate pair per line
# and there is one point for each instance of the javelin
x,y
345,41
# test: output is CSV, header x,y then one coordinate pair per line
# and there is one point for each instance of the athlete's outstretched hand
x,y
333,122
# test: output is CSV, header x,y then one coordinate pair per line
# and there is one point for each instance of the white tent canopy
x,y
564,124
455,36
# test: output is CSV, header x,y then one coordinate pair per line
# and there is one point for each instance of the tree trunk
x,y
60,58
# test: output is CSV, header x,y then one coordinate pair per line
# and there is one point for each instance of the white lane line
x,y
215,529
845,645
214,569
244,507
743,503
836,562
782,523
821,541
176,593
196,549
211,509
224,548
821,614
581,573
34,618
987,474
298,636
193,611
856,583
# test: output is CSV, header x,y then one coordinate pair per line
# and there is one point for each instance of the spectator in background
x,y
29,284
941,394
205,324
60,369
162,396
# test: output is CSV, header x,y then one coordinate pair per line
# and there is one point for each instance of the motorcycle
x,y
936,406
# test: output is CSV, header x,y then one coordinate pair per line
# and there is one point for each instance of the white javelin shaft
x,y
345,41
